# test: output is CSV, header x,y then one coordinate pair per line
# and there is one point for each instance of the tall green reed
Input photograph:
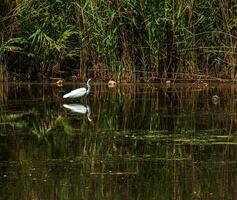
x,y
128,39
48,33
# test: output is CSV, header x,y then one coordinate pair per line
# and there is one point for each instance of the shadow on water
x,y
129,142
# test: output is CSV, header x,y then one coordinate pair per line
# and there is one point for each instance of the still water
x,y
129,142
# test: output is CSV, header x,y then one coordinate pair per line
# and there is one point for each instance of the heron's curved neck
x,y
88,87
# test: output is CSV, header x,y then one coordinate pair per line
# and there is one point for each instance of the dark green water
x,y
137,142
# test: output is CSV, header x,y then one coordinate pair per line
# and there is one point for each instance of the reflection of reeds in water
x,y
185,106
178,108
133,140
3,92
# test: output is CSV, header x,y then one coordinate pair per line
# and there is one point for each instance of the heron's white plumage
x,y
79,92
75,93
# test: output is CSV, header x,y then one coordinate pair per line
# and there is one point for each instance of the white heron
x,y
79,92
79,108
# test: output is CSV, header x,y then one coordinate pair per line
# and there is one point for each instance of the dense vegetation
x,y
121,39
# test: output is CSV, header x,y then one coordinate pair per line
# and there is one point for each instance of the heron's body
x,y
75,93
78,92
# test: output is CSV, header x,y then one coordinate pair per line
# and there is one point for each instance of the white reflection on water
x,y
79,108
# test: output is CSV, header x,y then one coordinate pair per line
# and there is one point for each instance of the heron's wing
x,y
76,108
75,93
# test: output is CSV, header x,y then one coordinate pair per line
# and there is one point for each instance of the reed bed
x,y
127,40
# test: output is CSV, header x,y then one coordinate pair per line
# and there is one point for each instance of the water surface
x,y
131,142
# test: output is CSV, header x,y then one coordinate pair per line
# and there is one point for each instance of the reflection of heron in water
x,y
79,108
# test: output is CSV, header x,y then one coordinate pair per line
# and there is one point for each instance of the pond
x,y
134,141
